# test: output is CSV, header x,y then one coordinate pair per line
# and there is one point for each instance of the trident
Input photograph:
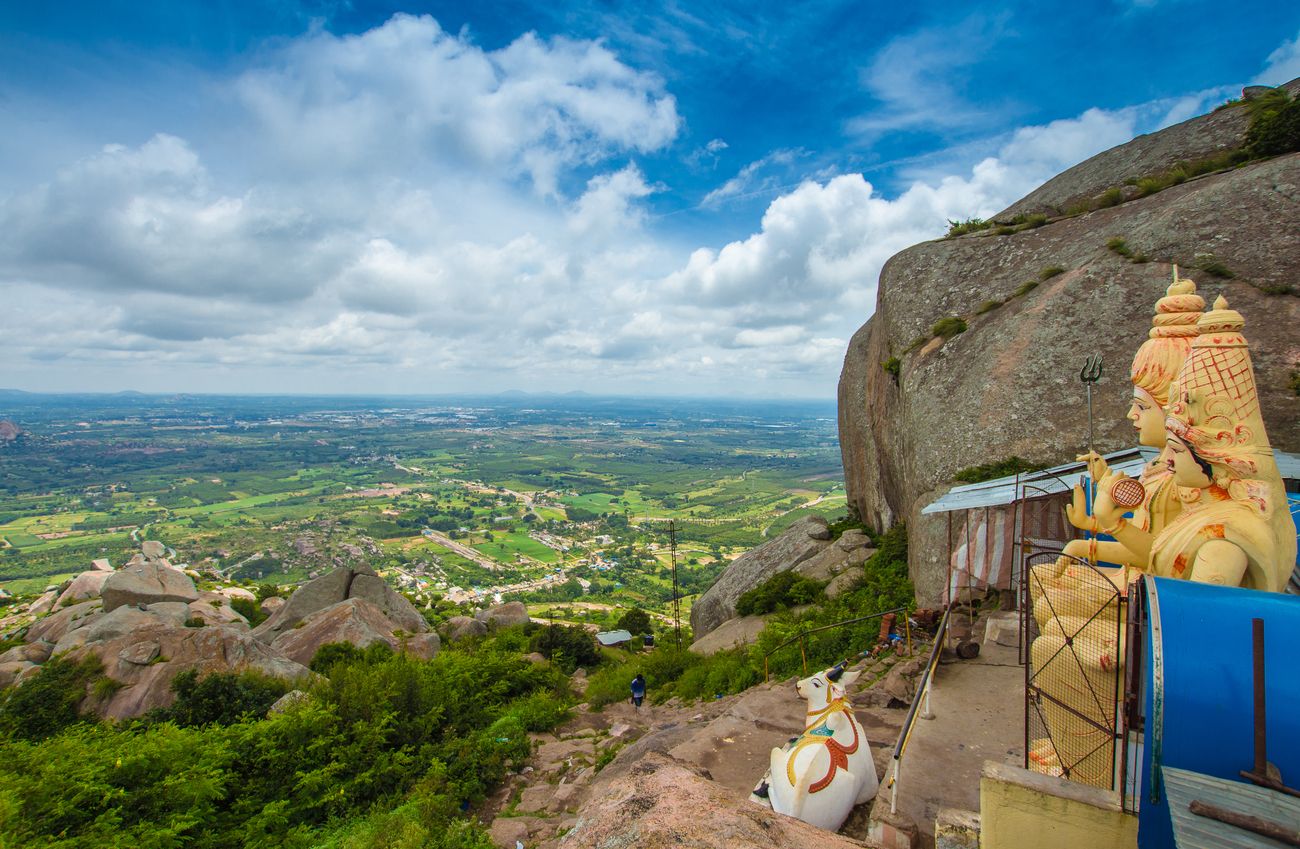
x,y
1088,375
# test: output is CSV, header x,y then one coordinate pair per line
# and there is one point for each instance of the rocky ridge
x,y
1035,302
147,622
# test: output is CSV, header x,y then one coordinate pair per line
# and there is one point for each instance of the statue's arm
x,y
1219,562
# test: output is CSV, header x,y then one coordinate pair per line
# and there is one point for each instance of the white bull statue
x,y
821,774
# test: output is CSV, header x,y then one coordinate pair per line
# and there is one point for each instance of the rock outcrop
x,y
504,615
663,804
461,627
355,621
147,580
145,661
151,624
339,586
802,540
1008,385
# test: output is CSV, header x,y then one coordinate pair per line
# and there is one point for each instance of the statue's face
x,y
1187,472
1148,418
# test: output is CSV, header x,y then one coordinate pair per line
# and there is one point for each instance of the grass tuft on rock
x,y
949,327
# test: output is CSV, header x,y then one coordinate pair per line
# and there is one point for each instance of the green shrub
x,y
948,327
1050,271
330,654
782,590
1113,196
988,306
50,701
970,225
1214,268
1005,230
1025,288
635,621
539,711
1275,124
892,367
221,698
993,471
1118,245
1295,383
1277,289
567,646
249,609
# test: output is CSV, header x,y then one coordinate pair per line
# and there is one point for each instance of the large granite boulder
x,y
460,627
661,802
52,628
85,586
37,652
802,540
1008,385
147,582
123,621
337,586
356,621
146,660
213,608
740,631
504,615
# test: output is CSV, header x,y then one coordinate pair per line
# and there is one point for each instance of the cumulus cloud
x,y
408,212
407,92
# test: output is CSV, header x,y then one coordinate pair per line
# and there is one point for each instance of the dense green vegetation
x,y
388,751
779,592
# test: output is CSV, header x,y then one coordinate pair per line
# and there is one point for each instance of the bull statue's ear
x,y
834,673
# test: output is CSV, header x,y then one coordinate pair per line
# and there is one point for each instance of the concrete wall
x,y
1020,809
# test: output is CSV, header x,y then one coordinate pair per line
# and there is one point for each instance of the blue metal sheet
x,y
1200,707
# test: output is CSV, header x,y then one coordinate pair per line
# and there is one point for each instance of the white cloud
x,y
917,78
407,212
748,180
1283,64
403,94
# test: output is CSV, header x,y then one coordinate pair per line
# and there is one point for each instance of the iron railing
x,y
802,637
922,695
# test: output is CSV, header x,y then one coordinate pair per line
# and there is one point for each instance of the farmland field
x,y
542,498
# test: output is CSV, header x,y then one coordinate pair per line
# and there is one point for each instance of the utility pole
x,y
677,600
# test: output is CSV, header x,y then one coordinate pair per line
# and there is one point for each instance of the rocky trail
x,y
713,753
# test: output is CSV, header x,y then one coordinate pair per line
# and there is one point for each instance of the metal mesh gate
x,y
1072,680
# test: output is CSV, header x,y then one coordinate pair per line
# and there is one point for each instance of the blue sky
x,y
636,198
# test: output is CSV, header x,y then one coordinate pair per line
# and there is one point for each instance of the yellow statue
x,y
1154,368
1234,528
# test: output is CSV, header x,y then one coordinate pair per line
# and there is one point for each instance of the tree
x,y
636,621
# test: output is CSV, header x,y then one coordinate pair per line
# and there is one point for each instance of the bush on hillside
x,y
567,646
221,698
782,590
999,469
51,700
250,610
636,621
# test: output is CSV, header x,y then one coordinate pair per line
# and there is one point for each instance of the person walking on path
x,y
638,690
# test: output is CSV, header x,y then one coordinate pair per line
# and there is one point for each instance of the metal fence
x,y
1075,617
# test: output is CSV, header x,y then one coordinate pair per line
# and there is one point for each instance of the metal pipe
x,y
1261,729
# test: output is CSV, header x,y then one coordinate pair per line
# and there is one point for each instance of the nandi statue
x,y
821,774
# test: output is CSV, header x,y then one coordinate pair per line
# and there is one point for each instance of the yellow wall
x,y
1020,809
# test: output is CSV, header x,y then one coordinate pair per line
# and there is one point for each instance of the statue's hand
x,y
1104,509
1077,511
1097,466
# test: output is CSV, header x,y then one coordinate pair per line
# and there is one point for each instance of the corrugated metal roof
x,y
613,638
1061,478
1192,831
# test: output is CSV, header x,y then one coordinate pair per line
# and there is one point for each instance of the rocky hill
x,y
1036,296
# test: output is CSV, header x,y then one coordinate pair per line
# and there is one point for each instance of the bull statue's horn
x,y
834,673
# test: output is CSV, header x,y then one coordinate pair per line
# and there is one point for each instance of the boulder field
x,y
148,622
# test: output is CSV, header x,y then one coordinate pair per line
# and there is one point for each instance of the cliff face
x,y
1009,385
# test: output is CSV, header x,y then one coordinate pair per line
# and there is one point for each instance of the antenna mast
x,y
677,599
